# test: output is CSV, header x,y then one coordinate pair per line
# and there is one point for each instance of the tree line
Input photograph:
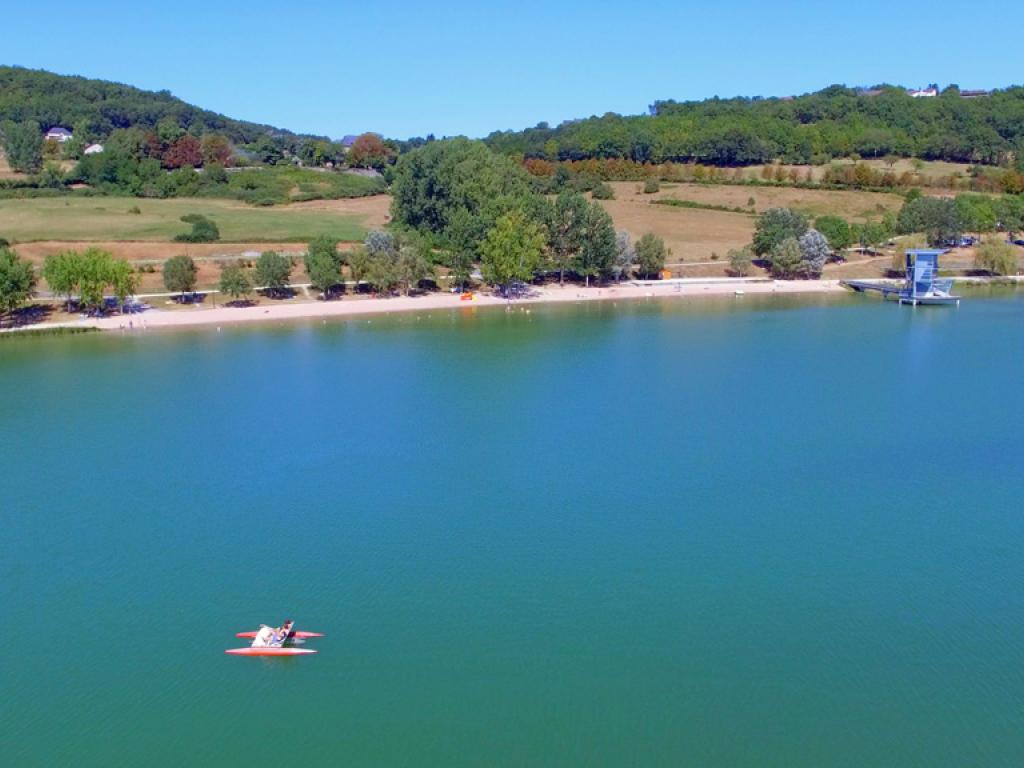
x,y
814,128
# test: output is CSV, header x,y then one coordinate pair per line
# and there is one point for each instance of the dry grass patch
x,y
693,235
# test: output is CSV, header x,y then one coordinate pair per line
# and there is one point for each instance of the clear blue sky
x,y
406,69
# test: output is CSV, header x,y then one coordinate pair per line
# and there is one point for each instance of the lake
x,y
736,532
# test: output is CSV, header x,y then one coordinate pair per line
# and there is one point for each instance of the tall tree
x,y
785,259
567,228
17,281
358,265
836,230
324,272
625,255
651,255
369,151
814,252
776,225
23,144
97,272
235,281
273,271
183,151
412,268
596,256
214,149
511,250
180,274
123,281
323,264
63,273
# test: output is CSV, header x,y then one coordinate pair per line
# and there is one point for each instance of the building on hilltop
x,y
925,93
58,134
972,94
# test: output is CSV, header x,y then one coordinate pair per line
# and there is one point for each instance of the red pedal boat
x,y
274,641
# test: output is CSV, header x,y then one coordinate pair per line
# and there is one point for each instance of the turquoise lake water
x,y
756,532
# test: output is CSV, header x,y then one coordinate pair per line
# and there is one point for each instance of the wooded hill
x,y
813,128
96,108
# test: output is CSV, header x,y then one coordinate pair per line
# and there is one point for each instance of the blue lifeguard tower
x,y
922,284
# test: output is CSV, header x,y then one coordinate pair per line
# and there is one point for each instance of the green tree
x,y
97,272
382,271
273,271
567,226
651,255
324,272
836,230
444,179
511,250
776,225
596,256
17,280
997,257
785,260
63,273
358,264
323,265
23,144
123,280
235,282
741,261
180,274
977,213
412,268
937,218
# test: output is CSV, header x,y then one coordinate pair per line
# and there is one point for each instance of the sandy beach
x,y
301,309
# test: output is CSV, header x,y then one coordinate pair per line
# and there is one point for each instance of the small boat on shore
x,y
275,641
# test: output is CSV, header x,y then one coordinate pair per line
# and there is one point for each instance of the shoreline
x,y
683,288
155,319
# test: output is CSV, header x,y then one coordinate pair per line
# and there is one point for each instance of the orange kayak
x,y
269,651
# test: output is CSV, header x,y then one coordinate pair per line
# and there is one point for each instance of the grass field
x,y
108,218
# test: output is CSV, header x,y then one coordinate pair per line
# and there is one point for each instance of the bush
x,y
651,186
603,191
996,257
203,230
135,210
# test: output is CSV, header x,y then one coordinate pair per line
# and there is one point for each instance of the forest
x,y
836,122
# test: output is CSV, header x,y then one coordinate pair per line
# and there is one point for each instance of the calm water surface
x,y
735,533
